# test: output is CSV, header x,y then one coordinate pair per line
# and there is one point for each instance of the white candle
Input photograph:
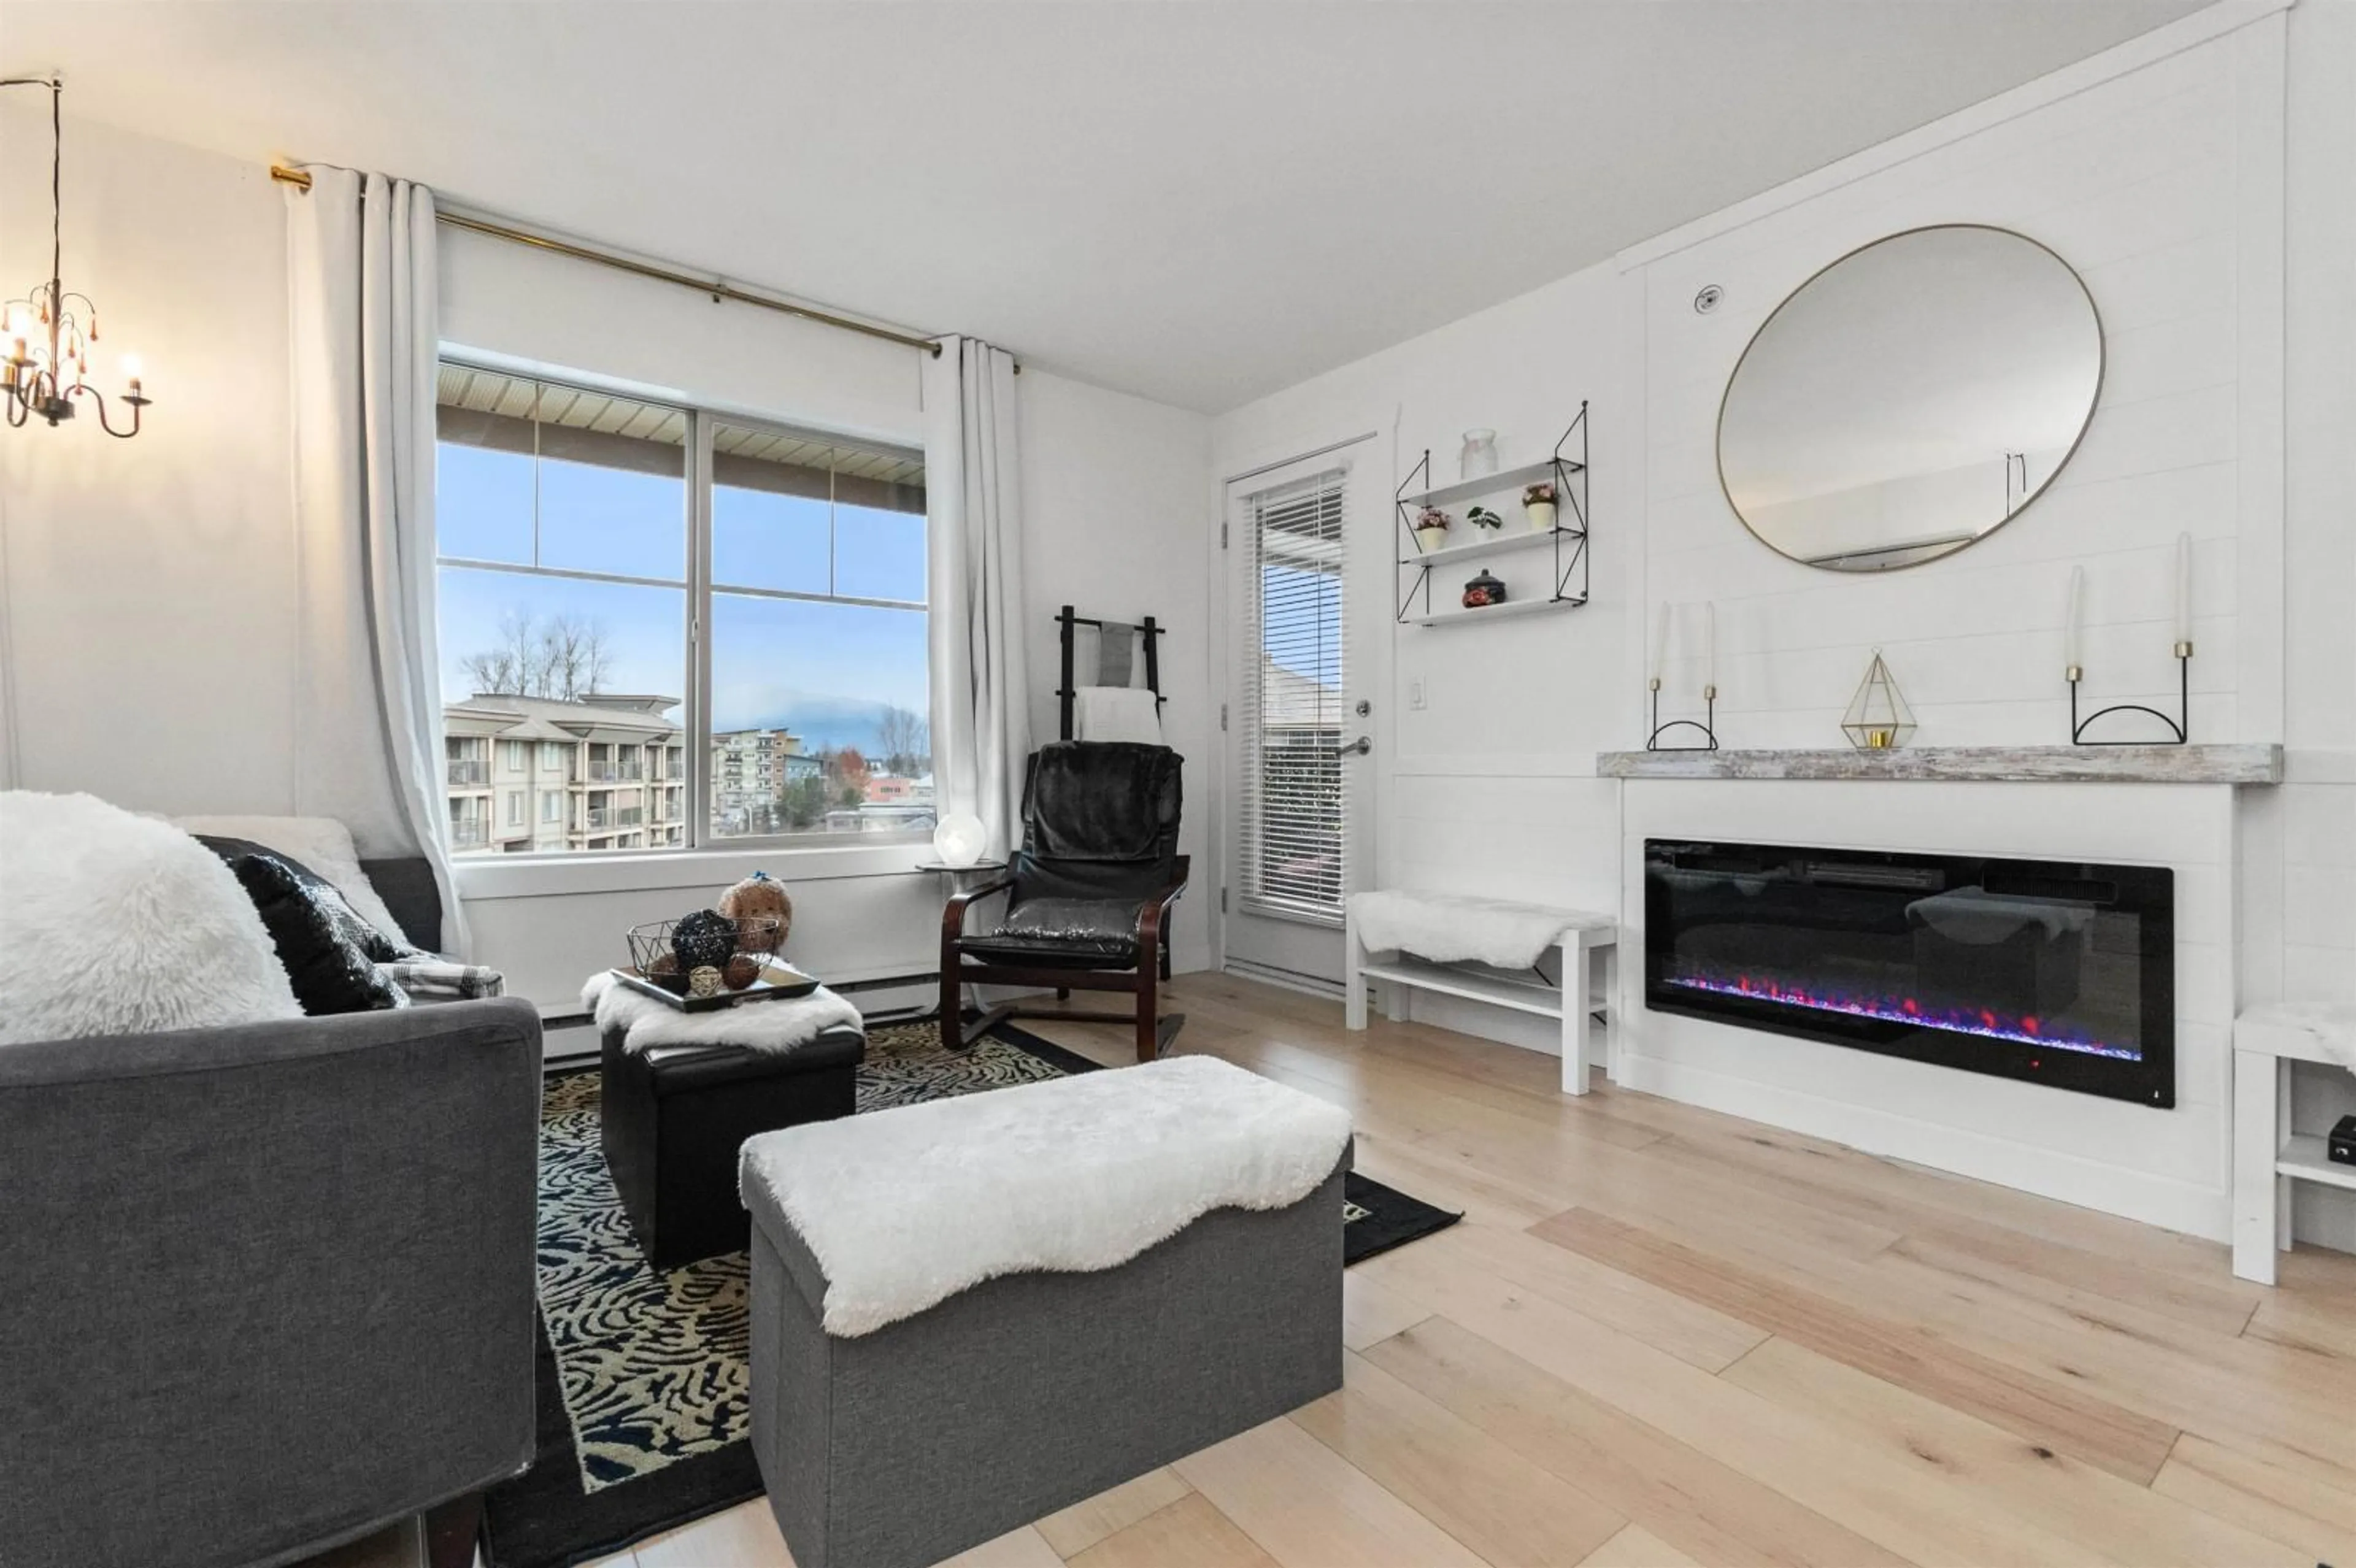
x,y
2184,587
1660,643
2074,634
1709,645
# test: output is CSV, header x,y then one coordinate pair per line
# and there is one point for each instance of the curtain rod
x,y
301,180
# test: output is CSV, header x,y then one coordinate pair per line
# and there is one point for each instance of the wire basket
x,y
652,953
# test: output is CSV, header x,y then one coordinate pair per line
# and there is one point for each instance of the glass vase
x,y
1478,457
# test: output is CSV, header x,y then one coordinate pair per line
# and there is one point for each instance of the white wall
x,y
1492,785
147,586
2149,186
2299,928
148,605
1115,492
2165,185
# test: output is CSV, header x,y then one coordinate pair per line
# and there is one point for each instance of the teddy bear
x,y
758,895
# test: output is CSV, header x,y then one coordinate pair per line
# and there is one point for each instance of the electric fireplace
x,y
2057,972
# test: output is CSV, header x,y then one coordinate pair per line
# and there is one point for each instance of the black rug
x,y
642,1388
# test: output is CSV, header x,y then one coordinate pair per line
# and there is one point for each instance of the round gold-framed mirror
x,y
1910,398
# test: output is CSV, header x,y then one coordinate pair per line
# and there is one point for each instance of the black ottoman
x,y
673,1117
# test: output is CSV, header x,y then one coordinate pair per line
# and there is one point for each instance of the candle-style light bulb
x,y
2074,634
2183,592
1660,645
1709,649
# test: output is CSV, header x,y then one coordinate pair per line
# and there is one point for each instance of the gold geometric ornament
x,y
1877,717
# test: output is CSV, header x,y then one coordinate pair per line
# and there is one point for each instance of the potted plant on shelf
x,y
1487,521
1538,507
1431,526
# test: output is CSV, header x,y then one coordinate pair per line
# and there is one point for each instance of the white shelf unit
x,y
2305,1158
1568,538
1510,610
2267,1155
1502,545
1496,483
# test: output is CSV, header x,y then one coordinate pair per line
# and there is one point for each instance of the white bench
x,y
1589,951
2266,1162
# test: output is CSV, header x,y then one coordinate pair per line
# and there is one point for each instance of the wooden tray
x,y
777,980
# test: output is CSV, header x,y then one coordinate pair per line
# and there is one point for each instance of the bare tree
x,y
575,660
905,738
564,658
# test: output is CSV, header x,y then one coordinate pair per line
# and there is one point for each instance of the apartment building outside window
x,y
587,540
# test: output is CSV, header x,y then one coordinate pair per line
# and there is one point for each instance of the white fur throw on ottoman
x,y
785,1024
113,924
903,1208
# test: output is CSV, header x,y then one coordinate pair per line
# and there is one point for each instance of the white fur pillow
x,y
112,923
321,844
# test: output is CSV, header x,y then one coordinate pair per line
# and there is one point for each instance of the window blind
x,y
1294,844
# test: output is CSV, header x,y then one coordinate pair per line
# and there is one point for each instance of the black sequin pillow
x,y
331,973
381,947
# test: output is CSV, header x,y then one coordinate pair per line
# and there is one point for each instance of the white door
x,y
1308,611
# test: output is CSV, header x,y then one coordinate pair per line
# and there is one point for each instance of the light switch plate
x,y
1415,693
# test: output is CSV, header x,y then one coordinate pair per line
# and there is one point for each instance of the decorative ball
x,y
959,840
664,963
703,940
703,980
760,895
741,971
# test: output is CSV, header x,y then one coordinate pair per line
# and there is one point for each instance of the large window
x,y
588,542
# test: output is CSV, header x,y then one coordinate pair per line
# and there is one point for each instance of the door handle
x,y
1357,748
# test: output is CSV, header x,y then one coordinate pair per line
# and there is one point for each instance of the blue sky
x,y
772,659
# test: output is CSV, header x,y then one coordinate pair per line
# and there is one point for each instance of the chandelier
x,y
46,338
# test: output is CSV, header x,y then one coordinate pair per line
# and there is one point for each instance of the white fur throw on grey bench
x,y
905,1208
783,1025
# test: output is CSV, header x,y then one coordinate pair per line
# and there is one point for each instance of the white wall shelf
x,y
2224,764
1566,540
1496,483
1510,541
1510,610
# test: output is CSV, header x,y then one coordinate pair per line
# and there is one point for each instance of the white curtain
x,y
363,328
981,698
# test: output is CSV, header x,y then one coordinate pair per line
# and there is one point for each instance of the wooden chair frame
x,y
1143,982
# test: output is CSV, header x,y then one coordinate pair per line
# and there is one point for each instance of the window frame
x,y
693,735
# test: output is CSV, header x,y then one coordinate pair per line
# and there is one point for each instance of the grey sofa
x,y
264,1290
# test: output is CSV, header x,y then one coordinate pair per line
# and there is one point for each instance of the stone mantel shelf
x,y
2235,764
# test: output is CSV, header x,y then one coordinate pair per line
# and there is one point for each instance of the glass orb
x,y
959,840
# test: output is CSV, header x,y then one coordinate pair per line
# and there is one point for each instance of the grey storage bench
x,y
1033,1390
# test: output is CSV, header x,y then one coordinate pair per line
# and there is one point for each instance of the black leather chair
x,y
1088,894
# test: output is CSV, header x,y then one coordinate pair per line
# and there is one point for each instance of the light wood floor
x,y
1664,1337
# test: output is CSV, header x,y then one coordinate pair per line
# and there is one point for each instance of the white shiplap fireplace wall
x,y
2162,184
2157,169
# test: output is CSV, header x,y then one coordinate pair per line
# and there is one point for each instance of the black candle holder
x,y
1707,727
2178,728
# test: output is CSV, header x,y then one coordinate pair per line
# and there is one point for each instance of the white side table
x,y
2265,1161
961,877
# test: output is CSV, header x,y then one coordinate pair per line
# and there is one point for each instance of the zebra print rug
x,y
644,1403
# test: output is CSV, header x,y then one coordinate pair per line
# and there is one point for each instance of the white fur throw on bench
x,y
786,1024
903,1209
1449,928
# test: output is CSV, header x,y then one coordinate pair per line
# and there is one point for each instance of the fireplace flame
x,y
1982,1021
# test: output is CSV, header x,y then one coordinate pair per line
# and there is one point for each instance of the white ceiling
x,y
1199,202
